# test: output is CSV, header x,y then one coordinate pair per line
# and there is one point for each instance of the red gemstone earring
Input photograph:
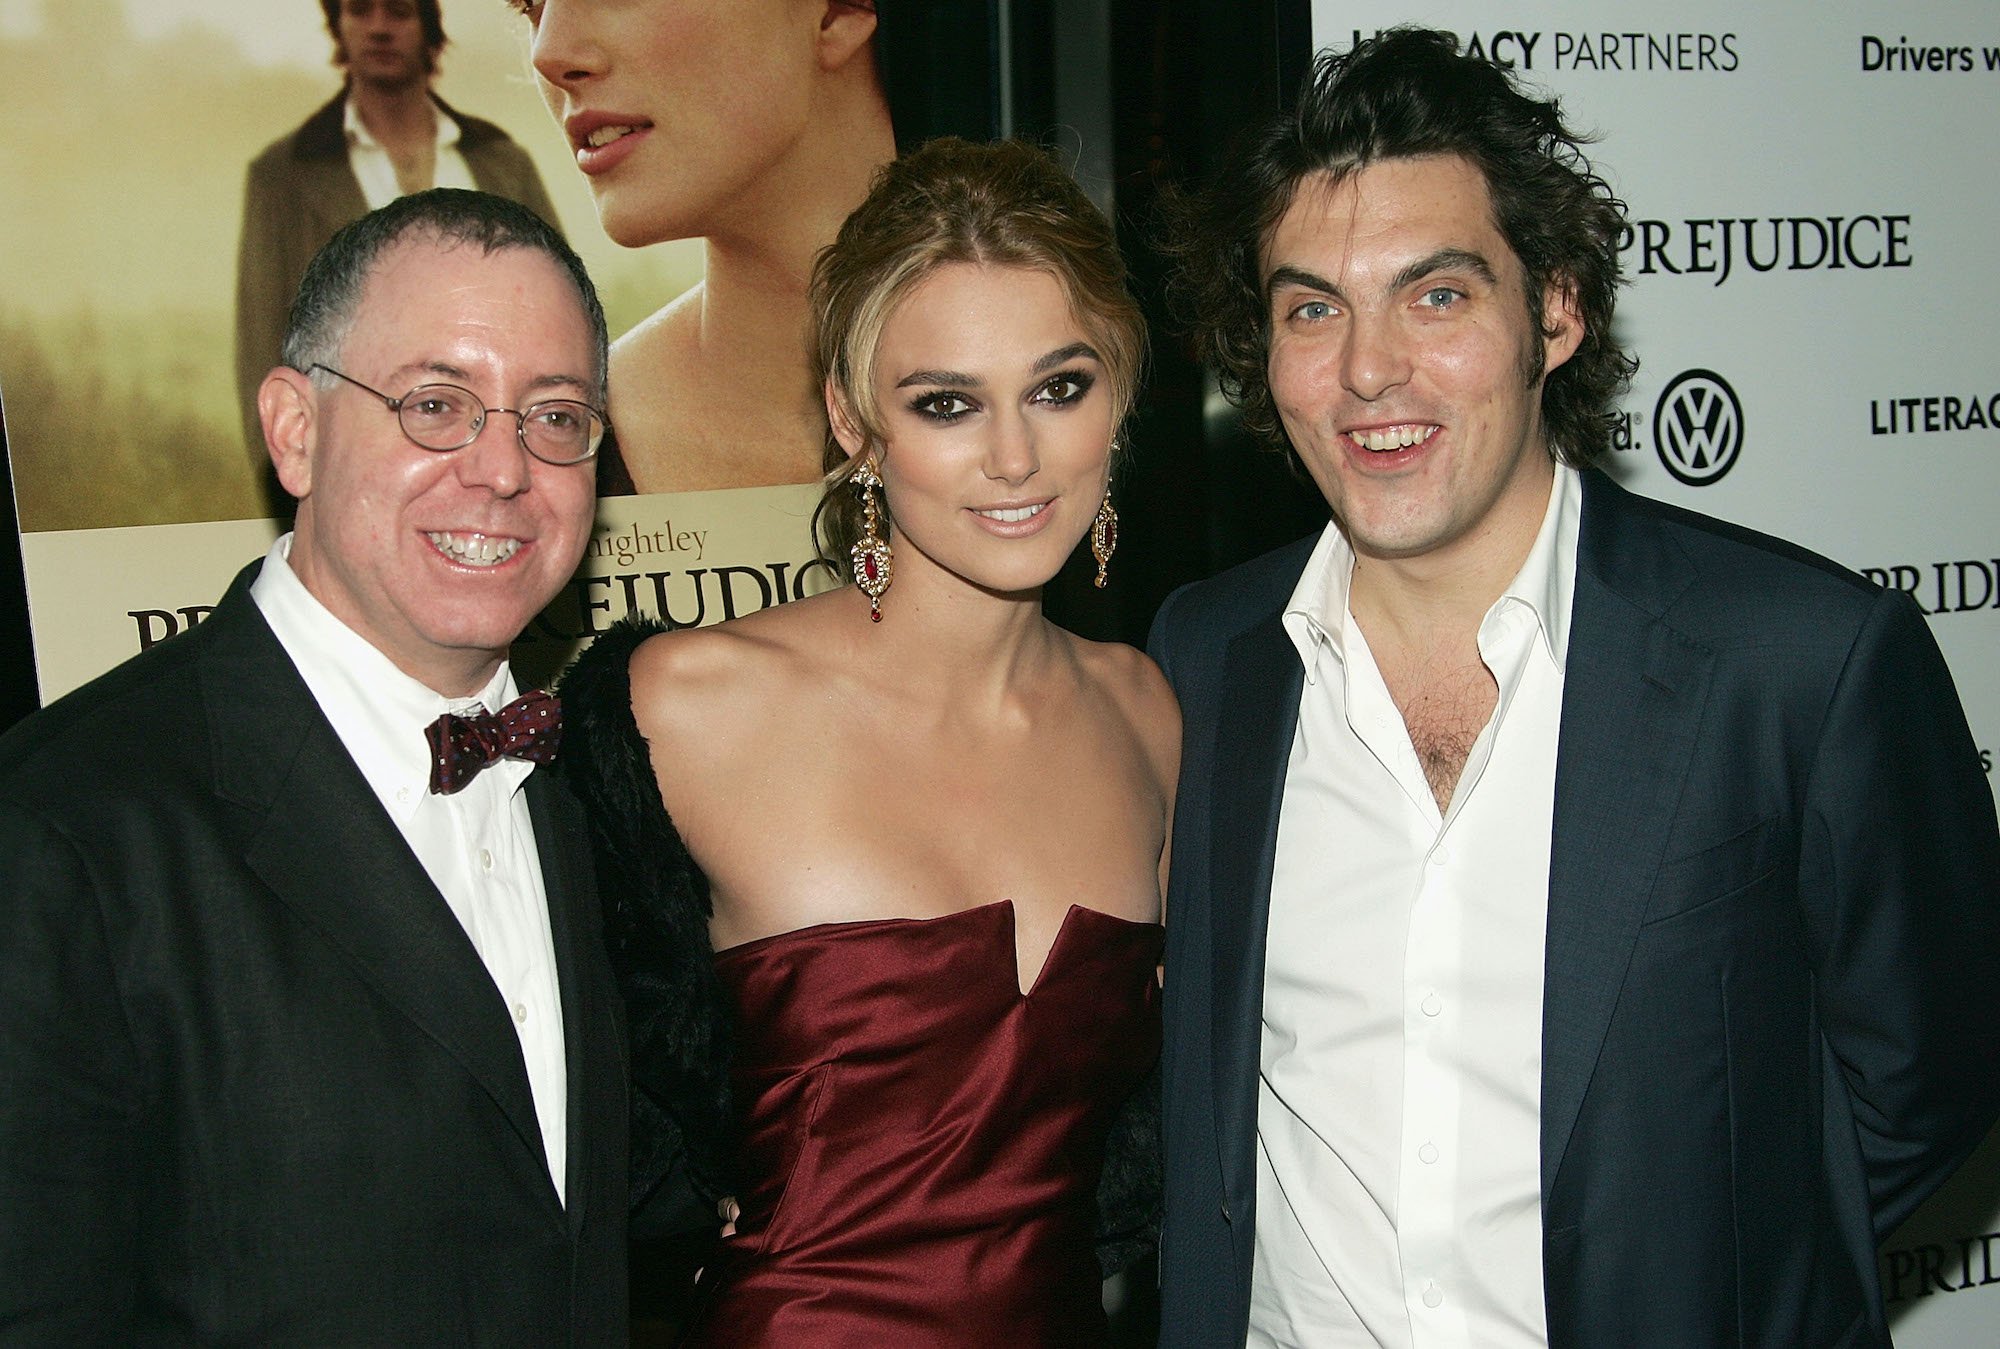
x,y
873,566
1104,535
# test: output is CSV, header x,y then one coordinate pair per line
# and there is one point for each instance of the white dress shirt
x,y
1398,1117
376,171
477,845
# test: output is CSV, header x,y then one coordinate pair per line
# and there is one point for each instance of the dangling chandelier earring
x,y
873,566
1104,534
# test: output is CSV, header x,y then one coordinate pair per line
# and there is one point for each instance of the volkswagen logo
x,y
1698,427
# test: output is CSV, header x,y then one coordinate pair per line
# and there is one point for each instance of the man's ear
x,y
845,28
1562,324
847,431
288,407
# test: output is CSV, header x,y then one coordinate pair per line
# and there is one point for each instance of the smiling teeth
x,y
604,135
1013,514
1392,437
474,550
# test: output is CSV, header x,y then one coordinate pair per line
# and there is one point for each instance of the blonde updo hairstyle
x,y
1002,203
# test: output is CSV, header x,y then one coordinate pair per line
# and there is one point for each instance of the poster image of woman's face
x,y
679,110
754,126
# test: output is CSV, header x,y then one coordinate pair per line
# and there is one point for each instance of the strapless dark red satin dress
x,y
922,1141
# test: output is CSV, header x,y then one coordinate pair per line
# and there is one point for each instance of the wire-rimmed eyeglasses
x,y
445,417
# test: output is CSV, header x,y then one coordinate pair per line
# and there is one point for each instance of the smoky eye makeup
x,y
1065,387
944,406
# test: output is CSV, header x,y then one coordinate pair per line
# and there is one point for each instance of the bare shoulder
x,y
718,684
648,367
664,335
731,714
674,666
688,687
1127,678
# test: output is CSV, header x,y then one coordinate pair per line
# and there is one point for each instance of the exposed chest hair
x,y
1444,712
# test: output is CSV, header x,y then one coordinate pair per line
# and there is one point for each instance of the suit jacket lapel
x,y
1633,691
565,849
322,842
1260,710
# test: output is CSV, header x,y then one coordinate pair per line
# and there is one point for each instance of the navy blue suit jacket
x,y
1773,964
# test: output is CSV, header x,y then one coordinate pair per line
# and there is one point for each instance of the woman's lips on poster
x,y
602,139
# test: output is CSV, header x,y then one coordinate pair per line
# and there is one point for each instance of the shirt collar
x,y
1316,616
1546,583
377,710
358,134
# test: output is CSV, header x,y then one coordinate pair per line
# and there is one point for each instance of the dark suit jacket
x,y
1773,965
256,1086
298,192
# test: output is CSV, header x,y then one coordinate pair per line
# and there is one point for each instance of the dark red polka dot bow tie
x,y
528,728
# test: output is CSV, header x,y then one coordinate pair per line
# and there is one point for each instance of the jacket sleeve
x,y
656,926
1131,1191
69,1073
1900,877
531,194
1160,639
263,287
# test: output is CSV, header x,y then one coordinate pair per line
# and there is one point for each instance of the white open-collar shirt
x,y
1399,1117
375,170
477,845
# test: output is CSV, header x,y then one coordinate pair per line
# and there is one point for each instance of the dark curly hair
x,y
1404,93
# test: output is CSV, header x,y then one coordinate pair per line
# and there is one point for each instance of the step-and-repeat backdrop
x,y
1813,205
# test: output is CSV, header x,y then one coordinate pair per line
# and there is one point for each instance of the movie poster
x,y
148,268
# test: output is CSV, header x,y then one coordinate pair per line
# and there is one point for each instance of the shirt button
x,y
485,859
403,794
1427,1154
1440,855
521,1012
1433,1295
1432,1004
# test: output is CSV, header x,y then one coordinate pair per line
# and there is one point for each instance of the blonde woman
x,y
921,827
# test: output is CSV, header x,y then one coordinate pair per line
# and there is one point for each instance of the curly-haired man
x,y
1580,907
